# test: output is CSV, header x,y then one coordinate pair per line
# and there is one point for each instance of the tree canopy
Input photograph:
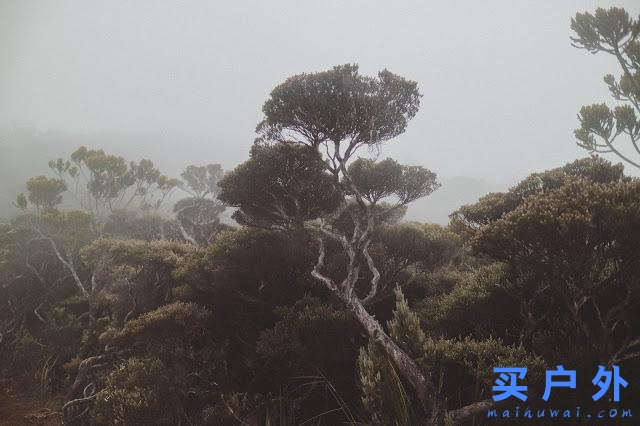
x,y
321,304
612,31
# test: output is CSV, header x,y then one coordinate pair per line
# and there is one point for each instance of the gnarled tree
x,y
303,173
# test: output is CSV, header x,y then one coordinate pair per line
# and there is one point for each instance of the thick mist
x,y
184,82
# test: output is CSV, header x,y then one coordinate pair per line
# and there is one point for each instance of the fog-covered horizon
x,y
183,82
39,147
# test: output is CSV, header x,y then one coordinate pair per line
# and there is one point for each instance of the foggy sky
x,y
501,82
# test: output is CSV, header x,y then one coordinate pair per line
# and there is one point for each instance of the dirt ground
x,y
17,411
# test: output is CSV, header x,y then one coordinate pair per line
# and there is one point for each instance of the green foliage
x,y
32,282
426,245
477,358
132,224
173,352
45,193
614,32
333,114
570,253
378,180
142,392
74,228
458,364
280,186
110,183
384,397
202,181
339,104
351,212
312,346
21,202
198,216
604,30
265,265
162,255
469,218
466,305
405,328
233,328
169,325
135,276
27,351
309,337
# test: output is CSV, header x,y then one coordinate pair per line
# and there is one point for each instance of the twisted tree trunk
x,y
432,405
424,389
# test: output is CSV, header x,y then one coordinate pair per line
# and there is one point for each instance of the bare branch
x,y
319,264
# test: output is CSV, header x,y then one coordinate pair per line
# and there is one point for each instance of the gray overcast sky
x,y
501,82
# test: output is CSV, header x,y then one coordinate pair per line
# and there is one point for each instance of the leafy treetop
x,y
614,32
